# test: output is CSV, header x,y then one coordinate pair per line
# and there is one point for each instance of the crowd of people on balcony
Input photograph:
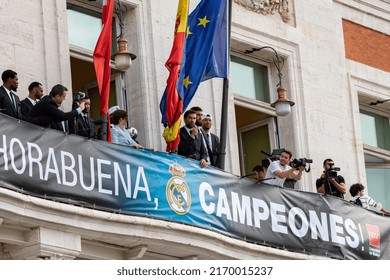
x,y
196,140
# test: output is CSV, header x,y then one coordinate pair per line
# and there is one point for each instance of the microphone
x,y
266,179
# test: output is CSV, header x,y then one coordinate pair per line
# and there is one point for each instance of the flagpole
x,y
225,98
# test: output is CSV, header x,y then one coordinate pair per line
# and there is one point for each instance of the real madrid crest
x,y
177,191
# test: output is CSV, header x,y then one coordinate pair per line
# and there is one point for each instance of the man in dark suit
x,y
35,93
82,125
210,139
9,101
46,111
191,144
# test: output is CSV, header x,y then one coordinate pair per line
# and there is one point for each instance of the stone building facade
x,y
336,57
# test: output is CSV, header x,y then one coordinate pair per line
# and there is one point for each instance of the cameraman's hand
x,y
301,168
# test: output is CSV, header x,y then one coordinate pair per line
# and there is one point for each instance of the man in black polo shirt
x,y
329,184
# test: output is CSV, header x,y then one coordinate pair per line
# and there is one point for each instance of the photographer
x,y
330,182
279,170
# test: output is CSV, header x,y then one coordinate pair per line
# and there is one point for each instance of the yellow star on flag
x,y
187,82
188,32
203,21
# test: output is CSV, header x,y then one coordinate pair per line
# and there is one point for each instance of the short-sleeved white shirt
x,y
275,166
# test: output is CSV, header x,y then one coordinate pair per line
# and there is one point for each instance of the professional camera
x,y
77,99
296,163
80,95
331,172
275,154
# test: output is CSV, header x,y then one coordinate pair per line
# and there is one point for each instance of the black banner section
x,y
91,173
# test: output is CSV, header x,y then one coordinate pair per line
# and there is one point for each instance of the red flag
x,y
101,60
173,102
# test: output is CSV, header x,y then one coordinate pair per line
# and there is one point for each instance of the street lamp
x,y
123,57
282,105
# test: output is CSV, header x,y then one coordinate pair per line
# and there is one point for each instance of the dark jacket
x,y
6,106
214,151
25,106
46,112
190,147
83,126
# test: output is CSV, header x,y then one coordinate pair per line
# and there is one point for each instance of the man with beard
x,y
46,112
9,101
332,185
279,170
191,144
35,93
199,113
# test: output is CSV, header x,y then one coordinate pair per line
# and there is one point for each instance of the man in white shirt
x,y
365,201
279,170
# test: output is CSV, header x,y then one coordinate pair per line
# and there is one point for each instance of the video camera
x,y
80,95
297,163
275,154
331,172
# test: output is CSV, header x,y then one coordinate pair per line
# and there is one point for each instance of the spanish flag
x,y
172,101
101,59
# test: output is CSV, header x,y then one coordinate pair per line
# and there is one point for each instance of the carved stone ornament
x,y
267,7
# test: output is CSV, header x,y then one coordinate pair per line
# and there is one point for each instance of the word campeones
x,y
105,176
256,212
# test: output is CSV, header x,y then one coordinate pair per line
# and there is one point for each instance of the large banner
x,y
105,176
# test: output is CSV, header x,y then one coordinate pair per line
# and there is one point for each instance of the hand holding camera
x,y
300,164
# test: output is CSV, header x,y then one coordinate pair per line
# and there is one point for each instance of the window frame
x,y
373,151
267,65
83,53
382,153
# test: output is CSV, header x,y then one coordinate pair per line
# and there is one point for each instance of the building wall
x,y
34,43
366,46
321,74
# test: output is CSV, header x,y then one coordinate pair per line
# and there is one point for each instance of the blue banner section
x,y
109,177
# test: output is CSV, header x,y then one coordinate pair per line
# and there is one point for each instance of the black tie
x,y
12,99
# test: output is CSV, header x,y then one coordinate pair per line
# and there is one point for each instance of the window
x,y
376,138
249,79
84,27
375,129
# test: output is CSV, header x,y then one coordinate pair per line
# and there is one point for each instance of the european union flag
x,y
205,54
206,47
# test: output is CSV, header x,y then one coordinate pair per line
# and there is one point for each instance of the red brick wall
x,y
366,46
